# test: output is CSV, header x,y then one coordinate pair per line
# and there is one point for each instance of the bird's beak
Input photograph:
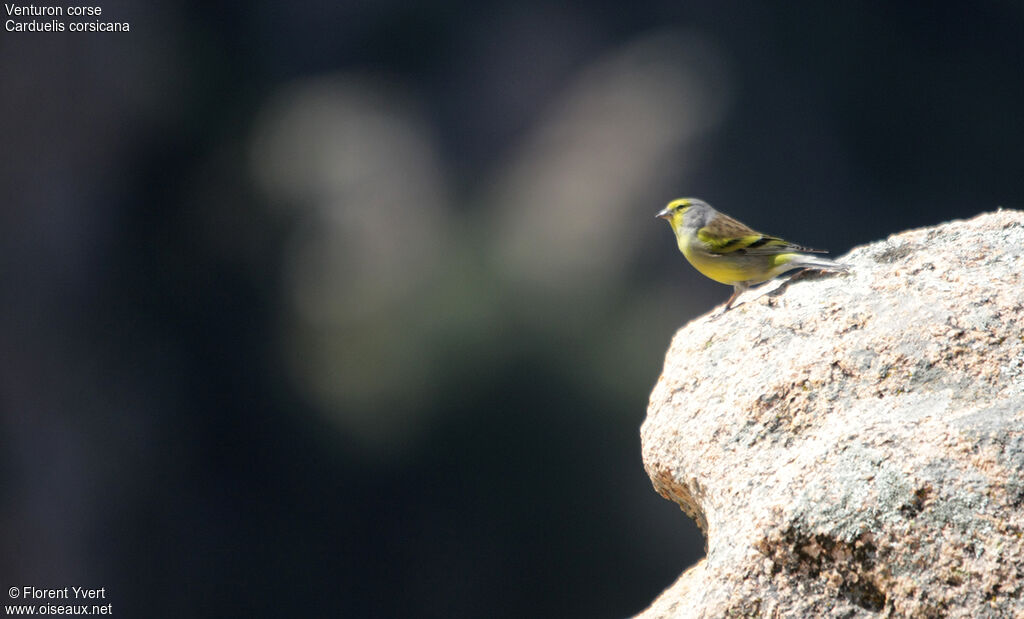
x,y
664,214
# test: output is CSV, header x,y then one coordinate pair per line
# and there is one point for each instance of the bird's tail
x,y
817,262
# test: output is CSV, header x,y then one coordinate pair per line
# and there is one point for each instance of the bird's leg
x,y
738,289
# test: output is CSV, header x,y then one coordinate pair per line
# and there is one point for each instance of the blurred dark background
x,y
352,309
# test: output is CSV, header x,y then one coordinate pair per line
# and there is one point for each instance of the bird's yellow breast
x,y
717,267
733,267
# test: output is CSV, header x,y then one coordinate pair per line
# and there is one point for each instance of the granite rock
x,y
853,445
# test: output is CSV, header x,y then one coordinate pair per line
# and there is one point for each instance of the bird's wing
x,y
725,235
771,245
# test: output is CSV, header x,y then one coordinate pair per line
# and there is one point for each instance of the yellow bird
x,y
730,252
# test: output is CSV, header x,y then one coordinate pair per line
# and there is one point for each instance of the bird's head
x,y
685,212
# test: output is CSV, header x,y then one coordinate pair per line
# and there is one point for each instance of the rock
x,y
853,445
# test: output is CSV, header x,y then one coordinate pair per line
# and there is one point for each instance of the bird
x,y
730,252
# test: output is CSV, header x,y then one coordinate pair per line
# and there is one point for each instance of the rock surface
x,y
853,445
